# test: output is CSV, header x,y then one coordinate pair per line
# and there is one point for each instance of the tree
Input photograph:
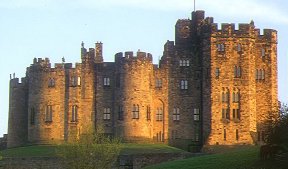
x,y
93,150
277,131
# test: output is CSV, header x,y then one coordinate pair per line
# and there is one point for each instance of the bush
x,y
91,151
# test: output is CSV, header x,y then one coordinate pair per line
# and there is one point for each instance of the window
x,y
120,113
75,81
51,82
106,81
235,96
239,47
260,74
159,114
225,114
135,111
224,133
217,72
262,52
196,115
184,63
220,47
107,114
184,84
78,81
148,113
32,116
237,71
48,113
236,114
237,135
74,113
158,83
225,95
176,114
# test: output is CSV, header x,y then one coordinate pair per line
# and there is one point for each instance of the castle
x,y
212,86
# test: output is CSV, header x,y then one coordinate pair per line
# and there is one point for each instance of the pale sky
x,y
55,28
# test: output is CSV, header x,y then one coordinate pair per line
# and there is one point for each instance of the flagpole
x,y
194,5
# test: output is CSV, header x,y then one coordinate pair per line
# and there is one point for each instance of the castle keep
x,y
212,86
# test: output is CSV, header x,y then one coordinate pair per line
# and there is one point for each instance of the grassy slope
x,y
30,151
148,148
48,151
241,158
226,158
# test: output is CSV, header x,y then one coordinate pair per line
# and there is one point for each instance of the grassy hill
x,y
221,157
51,150
240,157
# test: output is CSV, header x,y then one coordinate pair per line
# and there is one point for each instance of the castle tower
x,y
46,102
17,124
134,97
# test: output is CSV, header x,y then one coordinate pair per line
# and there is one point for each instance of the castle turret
x,y
17,125
98,53
83,50
134,98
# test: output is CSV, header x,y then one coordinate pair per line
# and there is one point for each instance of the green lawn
x,y
132,148
235,158
49,150
240,157
30,151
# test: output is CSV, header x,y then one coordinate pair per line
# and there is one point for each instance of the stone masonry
x,y
212,86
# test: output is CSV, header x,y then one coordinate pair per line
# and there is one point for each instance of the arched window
x,y
51,82
236,96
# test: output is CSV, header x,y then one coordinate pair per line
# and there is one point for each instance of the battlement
x,y
229,28
16,83
45,63
198,16
41,62
169,46
129,56
182,22
268,34
244,29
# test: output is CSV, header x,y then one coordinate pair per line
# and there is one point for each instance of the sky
x,y
56,28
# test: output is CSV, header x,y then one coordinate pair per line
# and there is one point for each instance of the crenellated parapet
x,y
269,35
45,65
14,83
128,57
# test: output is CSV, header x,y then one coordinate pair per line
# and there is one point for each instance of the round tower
x,y
135,96
17,125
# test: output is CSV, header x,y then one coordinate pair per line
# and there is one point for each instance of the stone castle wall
x,y
179,102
